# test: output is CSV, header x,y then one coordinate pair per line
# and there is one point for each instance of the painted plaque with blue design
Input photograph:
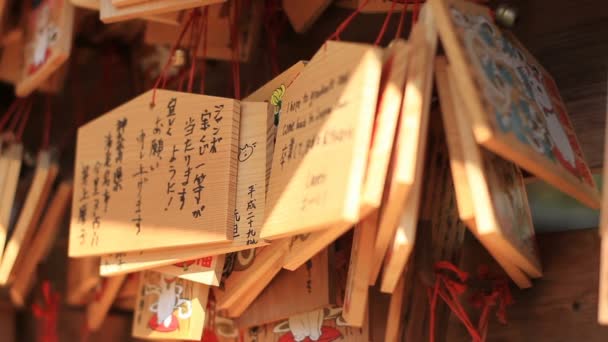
x,y
513,103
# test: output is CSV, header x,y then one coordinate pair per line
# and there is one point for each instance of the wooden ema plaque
x,y
502,215
97,309
207,270
308,288
355,304
255,127
319,325
464,197
169,308
219,24
385,124
111,13
403,193
151,177
83,277
372,6
241,288
11,63
302,14
512,101
602,312
48,42
42,242
37,195
10,167
327,111
171,18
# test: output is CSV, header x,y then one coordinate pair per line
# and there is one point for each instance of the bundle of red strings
x,y
48,313
451,284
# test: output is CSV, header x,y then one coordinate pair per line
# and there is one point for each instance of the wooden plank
x,y
219,44
303,247
37,195
41,243
83,277
502,214
169,308
206,270
122,3
10,167
408,155
241,288
602,312
464,197
308,192
302,14
318,325
171,18
97,310
254,133
171,166
394,327
355,304
109,13
48,42
385,124
290,293
501,82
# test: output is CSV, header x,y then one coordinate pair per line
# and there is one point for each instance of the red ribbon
x,y
450,284
48,314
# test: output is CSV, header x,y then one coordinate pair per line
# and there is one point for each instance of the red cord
x,y
401,22
416,11
204,35
347,21
385,23
196,35
163,74
236,65
16,105
21,129
48,314
46,137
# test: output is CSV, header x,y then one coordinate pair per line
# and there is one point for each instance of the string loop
x,y
49,313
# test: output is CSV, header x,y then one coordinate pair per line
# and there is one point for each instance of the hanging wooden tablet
x,y
171,18
513,103
83,277
169,308
385,124
464,197
394,324
10,167
602,311
110,13
302,14
502,215
319,325
251,188
37,195
321,151
98,308
357,284
207,270
403,193
48,42
42,242
238,290
303,247
11,63
220,21
308,288
156,176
